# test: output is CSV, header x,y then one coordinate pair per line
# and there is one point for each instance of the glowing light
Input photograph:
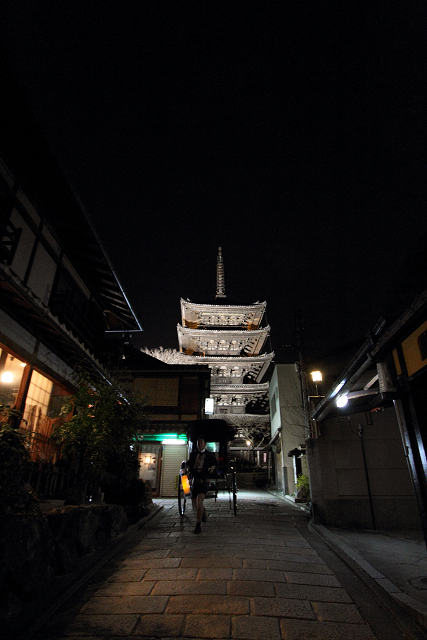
x,y
7,376
147,459
342,401
209,406
248,443
316,376
185,484
172,441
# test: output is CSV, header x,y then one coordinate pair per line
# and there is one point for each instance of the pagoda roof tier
x,y
215,342
247,389
252,366
195,315
239,395
242,418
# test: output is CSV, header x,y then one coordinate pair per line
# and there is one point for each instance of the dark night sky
x,y
290,133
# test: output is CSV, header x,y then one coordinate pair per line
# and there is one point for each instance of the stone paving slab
x,y
250,588
220,573
152,563
156,553
312,593
188,587
213,562
263,575
171,574
293,577
128,575
333,612
233,581
209,604
296,557
242,553
283,608
103,625
125,589
208,626
128,604
194,553
86,637
300,567
308,630
160,625
254,628
279,565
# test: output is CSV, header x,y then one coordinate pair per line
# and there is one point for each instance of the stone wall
x,y
362,483
36,548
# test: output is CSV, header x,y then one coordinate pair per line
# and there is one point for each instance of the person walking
x,y
202,464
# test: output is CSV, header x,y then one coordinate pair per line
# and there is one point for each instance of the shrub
x,y
100,436
14,496
302,485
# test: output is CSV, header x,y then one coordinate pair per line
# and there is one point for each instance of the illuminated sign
x,y
209,406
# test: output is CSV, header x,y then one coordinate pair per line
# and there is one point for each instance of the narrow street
x,y
259,576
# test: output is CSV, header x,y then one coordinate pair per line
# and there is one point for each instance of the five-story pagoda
x,y
230,339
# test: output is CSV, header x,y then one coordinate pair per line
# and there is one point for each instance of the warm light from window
x,y
316,376
7,376
342,401
147,459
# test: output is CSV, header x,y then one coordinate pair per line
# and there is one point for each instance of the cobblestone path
x,y
250,577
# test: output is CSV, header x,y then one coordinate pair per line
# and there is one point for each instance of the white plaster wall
x,y
272,392
14,334
291,418
25,245
42,274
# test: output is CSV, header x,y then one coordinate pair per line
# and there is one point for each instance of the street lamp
x,y
316,376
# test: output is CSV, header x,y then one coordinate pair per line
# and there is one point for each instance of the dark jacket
x,y
208,461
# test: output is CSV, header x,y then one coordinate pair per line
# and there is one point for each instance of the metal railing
x,y
52,481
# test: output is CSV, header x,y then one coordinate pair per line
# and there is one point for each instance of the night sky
x,y
292,134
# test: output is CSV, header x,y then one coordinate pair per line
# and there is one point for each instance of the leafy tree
x,y
100,435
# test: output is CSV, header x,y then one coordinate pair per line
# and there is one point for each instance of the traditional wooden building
x,y
175,394
230,339
60,297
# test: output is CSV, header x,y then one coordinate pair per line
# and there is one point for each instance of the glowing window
x,y
11,370
38,398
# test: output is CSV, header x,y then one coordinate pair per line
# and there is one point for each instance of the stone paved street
x,y
253,577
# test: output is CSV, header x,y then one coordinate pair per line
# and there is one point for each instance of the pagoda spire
x,y
220,282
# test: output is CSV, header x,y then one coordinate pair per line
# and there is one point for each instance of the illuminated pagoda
x,y
230,339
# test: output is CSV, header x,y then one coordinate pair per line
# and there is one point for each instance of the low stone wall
x,y
38,547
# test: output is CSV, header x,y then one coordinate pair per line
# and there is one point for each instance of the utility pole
x,y
302,374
